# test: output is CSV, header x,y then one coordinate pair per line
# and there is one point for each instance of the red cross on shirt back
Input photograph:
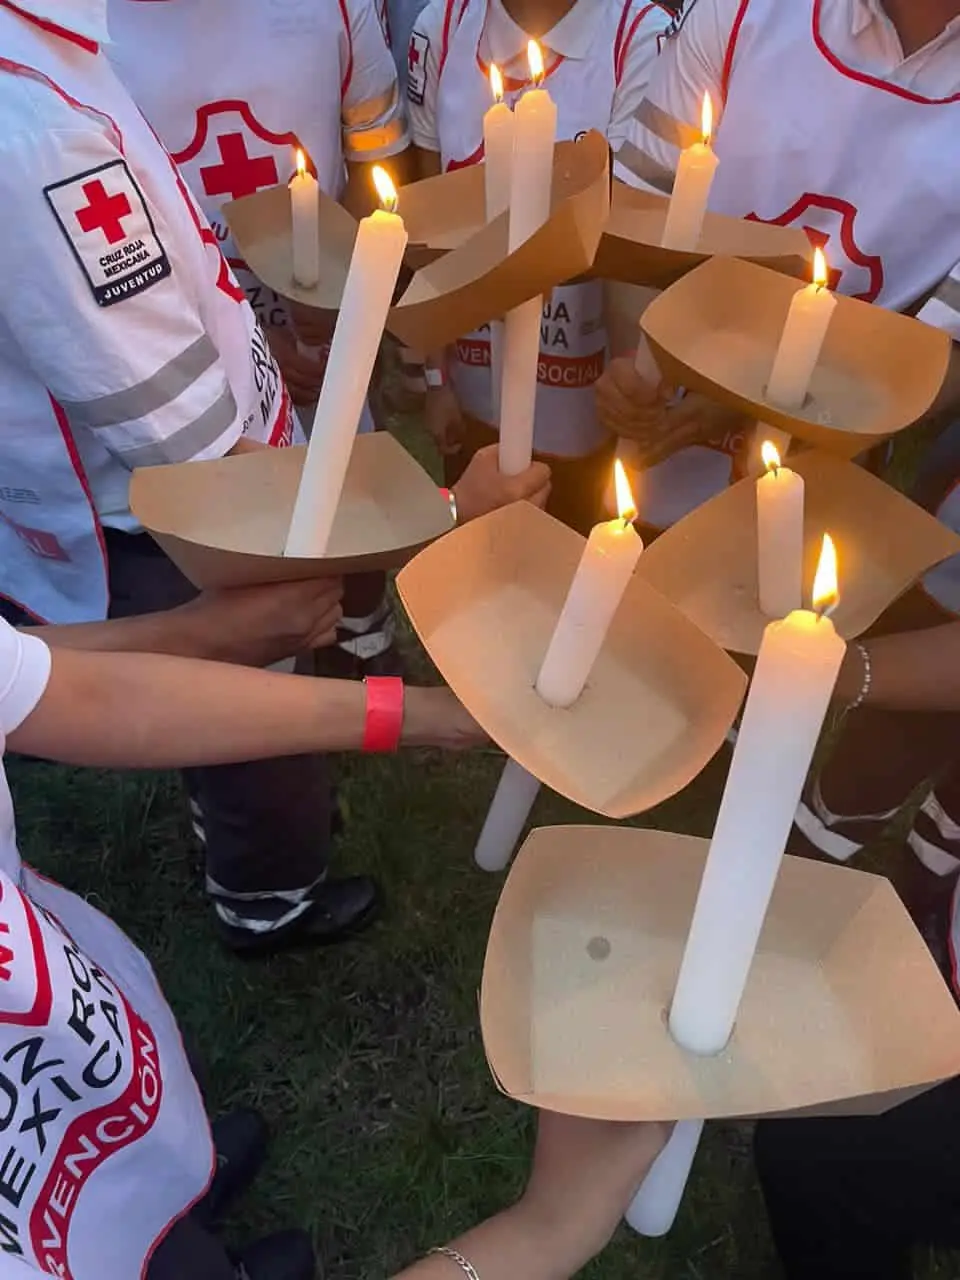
x,y
239,173
104,212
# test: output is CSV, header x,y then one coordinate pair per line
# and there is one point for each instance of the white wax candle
x,y
305,207
779,537
696,171
796,671
802,341
602,576
656,1203
531,184
498,134
374,268
509,810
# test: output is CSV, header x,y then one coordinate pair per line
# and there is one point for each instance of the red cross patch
x,y
106,222
417,67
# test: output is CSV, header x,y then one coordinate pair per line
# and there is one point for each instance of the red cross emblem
x,y
104,212
239,173
831,224
413,55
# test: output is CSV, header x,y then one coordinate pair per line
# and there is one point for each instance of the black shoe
x,y
388,663
288,1255
240,1140
338,910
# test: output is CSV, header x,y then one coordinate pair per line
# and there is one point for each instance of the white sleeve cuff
x,y
24,672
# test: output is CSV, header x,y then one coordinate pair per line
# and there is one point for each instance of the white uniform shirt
x,y
232,87
125,340
597,61
104,1140
816,100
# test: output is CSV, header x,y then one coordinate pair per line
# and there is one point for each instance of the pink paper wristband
x,y
384,719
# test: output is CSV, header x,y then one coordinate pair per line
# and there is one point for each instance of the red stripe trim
x,y
348,74
511,84
622,43
53,29
874,81
445,34
77,465
731,49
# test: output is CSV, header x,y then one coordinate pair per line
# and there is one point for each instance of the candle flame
x,y
770,456
496,82
826,588
385,189
820,273
706,119
535,57
301,164
626,507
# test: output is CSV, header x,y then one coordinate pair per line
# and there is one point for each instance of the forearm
x,y
177,632
139,710
503,1248
909,671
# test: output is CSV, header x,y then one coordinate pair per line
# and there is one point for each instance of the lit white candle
x,y
796,671
531,184
793,682
598,586
803,337
779,536
696,171
305,207
605,569
498,133
374,268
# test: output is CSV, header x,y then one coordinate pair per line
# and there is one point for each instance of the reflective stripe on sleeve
x,y
644,167
665,126
363,113
190,440
372,144
154,393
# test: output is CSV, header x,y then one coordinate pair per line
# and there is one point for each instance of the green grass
x,y
389,1133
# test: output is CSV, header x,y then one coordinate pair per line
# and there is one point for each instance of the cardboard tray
x,y
845,1010
224,523
480,279
630,250
262,227
658,703
707,563
718,329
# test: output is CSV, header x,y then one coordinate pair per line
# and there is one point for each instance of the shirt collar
x,y
86,19
570,38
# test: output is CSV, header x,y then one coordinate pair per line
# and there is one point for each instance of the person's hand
x,y
584,1178
627,404
482,488
444,419
435,718
256,626
302,373
314,328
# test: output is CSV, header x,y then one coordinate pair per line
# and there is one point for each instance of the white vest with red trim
x,y
249,89
104,1142
861,164
50,540
573,346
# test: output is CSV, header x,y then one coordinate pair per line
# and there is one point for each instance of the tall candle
x,y
793,682
696,171
602,576
779,536
371,280
605,569
498,133
802,341
305,209
531,184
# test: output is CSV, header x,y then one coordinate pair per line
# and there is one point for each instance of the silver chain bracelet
x,y
467,1267
864,693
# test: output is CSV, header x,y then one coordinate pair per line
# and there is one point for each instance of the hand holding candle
x,y
803,337
374,268
691,189
305,207
779,536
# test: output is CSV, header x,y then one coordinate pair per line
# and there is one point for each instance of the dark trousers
x,y
190,1252
578,484
850,1198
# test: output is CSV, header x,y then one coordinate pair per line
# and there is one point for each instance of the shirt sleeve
x,y
374,125
423,74
667,118
942,308
95,295
24,672
636,59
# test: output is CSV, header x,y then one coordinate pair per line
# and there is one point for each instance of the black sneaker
x,y
288,1255
337,910
838,836
240,1139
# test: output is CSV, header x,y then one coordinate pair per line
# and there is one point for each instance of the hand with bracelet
x,y
903,671
585,1174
